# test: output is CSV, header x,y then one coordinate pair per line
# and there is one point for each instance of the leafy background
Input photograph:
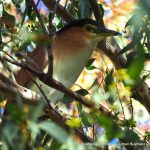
x,y
100,81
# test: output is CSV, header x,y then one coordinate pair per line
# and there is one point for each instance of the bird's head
x,y
89,28
77,37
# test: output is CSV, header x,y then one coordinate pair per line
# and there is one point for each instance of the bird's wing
x,y
39,55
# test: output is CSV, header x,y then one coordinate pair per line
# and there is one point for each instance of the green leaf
x,y
112,129
129,123
91,67
101,9
84,9
145,5
72,8
131,21
79,106
131,136
30,11
55,145
54,130
136,68
137,65
84,118
98,96
147,136
82,92
90,62
16,3
34,128
36,112
13,129
108,80
67,100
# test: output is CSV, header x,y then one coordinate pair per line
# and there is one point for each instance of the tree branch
x,y
45,78
65,15
28,97
12,90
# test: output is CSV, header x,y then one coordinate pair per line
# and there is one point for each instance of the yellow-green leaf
x,y
74,122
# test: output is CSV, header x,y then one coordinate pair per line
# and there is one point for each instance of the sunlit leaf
x,y
74,122
91,67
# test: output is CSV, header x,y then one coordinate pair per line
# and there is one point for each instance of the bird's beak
x,y
105,32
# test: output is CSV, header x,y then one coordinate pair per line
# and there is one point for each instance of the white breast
x,y
67,71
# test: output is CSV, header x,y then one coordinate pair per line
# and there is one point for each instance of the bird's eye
x,y
88,27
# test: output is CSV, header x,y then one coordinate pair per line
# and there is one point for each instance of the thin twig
x,y
39,17
44,95
54,11
120,100
131,106
49,49
7,54
50,61
38,3
40,89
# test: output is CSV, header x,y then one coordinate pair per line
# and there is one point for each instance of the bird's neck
x,y
70,43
